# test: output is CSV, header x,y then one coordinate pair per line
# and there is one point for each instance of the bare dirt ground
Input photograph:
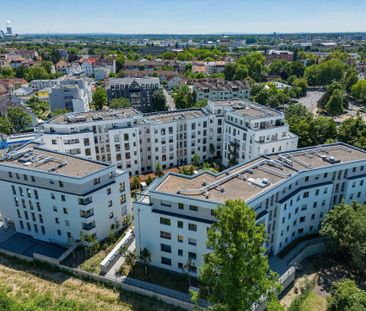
x,y
325,271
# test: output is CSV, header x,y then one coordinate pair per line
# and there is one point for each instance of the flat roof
x,y
247,108
93,116
246,180
171,116
32,157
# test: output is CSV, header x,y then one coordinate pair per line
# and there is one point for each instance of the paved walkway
x,y
113,270
280,265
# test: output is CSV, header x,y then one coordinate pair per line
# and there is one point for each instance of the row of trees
x,y
42,71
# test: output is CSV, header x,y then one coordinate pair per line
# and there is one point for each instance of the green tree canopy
x,y
183,97
158,100
359,90
346,296
236,273
335,105
325,72
344,227
353,131
19,119
99,98
120,102
5,126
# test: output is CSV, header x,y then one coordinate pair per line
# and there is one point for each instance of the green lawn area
x,y
314,302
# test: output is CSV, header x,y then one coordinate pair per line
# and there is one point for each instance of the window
x,y
302,219
165,221
110,203
165,248
109,191
53,197
63,198
180,205
192,241
180,265
59,232
65,210
166,261
180,238
180,252
192,227
180,224
165,235
192,255
193,208
57,221
61,184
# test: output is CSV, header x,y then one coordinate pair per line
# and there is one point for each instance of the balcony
x,y
88,226
85,201
87,214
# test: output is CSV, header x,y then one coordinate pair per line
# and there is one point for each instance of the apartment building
x,y
56,197
136,142
290,192
215,89
251,130
138,90
71,94
45,83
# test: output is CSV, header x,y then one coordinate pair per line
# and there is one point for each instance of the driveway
x,y
169,100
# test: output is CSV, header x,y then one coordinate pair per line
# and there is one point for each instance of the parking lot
x,y
26,245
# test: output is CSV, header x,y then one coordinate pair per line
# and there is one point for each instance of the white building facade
x,y
136,142
290,193
58,198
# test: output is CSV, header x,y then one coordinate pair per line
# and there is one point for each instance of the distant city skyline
x,y
183,17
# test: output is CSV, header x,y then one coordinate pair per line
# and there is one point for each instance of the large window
x,y
165,248
165,235
165,221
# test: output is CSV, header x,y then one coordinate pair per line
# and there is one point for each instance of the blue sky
x,y
183,16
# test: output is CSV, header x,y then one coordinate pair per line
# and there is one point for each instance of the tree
x,y
183,97
136,183
302,85
130,259
353,131
335,105
5,126
120,102
236,273
145,257
325,72
229,71
350,78
149,180
196,160
120,61
158,169
346,296
344,228
99,98
38,107
158,100
19,119
359,90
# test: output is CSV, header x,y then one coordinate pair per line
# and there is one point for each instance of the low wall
x,y
308,251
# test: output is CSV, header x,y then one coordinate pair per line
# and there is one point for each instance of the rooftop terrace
x,y
33,157
93,116
251,178
247,108
171,116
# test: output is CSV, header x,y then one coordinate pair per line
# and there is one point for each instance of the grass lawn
x,y
89,261
24,282
314,302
